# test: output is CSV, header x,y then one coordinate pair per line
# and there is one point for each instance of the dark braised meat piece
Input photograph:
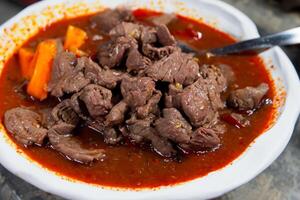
x,y
104,77
141,130
71,147
108,19
173,126
201,100
110,78
143,34
25,126
116,114
63,119
203,139
150,107
127,29
215,83
215,78
47,119
62,128
136,61
157,53
148,35
96,124
61,139
66,77
64,112
164,36
196,104
172,98
96,99
63,64
175,68
248,98
228,73
111,136
137,91
113,53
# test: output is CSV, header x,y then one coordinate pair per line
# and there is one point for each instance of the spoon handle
x,y
289,37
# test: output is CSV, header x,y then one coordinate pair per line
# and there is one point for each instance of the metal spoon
x,y
257,45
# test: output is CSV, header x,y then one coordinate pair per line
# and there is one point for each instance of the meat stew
x,y
130,97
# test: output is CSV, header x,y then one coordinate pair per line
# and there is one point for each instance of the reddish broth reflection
x,y
130,166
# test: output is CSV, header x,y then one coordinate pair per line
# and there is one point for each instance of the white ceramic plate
x,y
255,159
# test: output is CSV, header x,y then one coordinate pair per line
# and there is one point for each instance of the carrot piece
x,y
75,38
42,61
25,58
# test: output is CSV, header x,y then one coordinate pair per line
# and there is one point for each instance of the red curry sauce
x,y
127,165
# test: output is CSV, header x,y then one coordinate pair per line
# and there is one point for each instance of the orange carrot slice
x,y
75,38
25,58
42,62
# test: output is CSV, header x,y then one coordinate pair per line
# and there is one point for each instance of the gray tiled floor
x,y
280,181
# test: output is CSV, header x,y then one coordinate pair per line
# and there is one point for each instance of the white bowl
x,y
255,159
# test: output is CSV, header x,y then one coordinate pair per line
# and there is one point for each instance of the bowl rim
x,y
56,185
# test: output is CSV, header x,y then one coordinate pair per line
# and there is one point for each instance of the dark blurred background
x,y
279,182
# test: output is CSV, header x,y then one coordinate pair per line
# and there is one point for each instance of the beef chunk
x,y
137,91
143,34
202,99
228,73
203,139
164,36
108,19
66,77
47,119
172,98
150,107
140,95
126,29
160,145
63,64
148,35
97,100
213,75
116,114
196,104
25,126
64,112
113,53
140,130
173,126
247,98
62,128
111,136
104,77
176,68
96,124
110,78
215,83
136,61
72,148
157,53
